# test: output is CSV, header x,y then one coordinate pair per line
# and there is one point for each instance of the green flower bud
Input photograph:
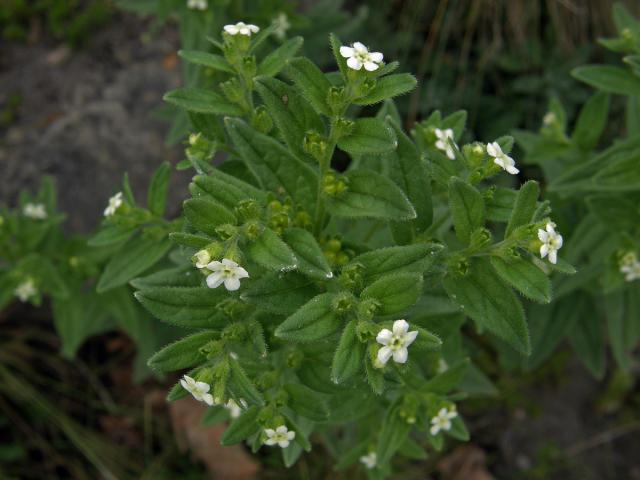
x,y
367,309
248,209
315,145
337,99
343,303
261,120
226,231
234,91
342,127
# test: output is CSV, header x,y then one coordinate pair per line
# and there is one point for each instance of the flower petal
x,y
214,266
400,327
376,57
542,235
434,429
283,443
208,399
291,435
347,52
281,429
553,256
401,355
229,263
241,273
384,336
214,280
384,354
231,283
544,250
354,63
270,432
360,48
410,337
371,66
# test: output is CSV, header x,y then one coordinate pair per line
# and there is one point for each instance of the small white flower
x,y
234,409
442,421
359,56
197,4
242,29
35,211
551,242
395,343
26,290
202,258
281,25
199,390
502,159
443,366
549,118
227,272
445,138
370,460
630,267
115,203
281,436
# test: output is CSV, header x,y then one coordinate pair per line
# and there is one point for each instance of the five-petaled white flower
x,y
227,272
115,203
199,390
502,159
442,421
234,409
197,4
26,290
242,29
359,56
445,138
202,258
281,436
395,343
370,460
34,210
549,118
281,25
551,242
630,267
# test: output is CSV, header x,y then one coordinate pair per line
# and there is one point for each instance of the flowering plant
x,y
322,297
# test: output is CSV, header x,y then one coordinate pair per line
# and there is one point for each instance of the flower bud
x,y
315,145
341,127
336,99
261,120
234,91
248,209
343,303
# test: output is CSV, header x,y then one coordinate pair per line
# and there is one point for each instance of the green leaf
x,y
395,293
425,339
446,381
110,235
210,60
349,356
587,339
623,309
202,101
273,164
388,87
467,208
524,206
306,402
394,432
525,277
189,240
390,260
225,189
313,84
157,195
185,353
369,136
242,427
609,79
188,307
206,215
48,276
591,121
280,292
184,276
335,43
278,58
370,194
311,260
242,387
313,321
271,252
485,298
134,258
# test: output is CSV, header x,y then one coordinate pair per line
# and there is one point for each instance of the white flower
x,y
443,366
199,390
281,436
549,118
26,290
370,460
281,25
197,4
34,210
445,138
202,258
630,267
358,56
241,28
234,409
396,342
502,159
442,421
227,272
114,204
551,242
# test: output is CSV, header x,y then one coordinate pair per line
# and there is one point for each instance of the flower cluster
x,y
630,267
501,159
442,420
370,460
26,290
197,4
241,28
395,343
115,203
445,142
36,211
551,242
199,390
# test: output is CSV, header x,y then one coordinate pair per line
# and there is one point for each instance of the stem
x,y
325,163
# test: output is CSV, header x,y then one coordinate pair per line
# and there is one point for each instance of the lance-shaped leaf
x,y
609,79
524,207
202,101
313,321
242,387
311,260
335,43
370,194
135,257
425,340
313,84
206,215
189,239
189,307
110,235
349,356
184,276
395,293
389,260
278,58
467,208
588,341
394,432
369,136
242,427
225,189
185,353
591,121
280,292
306,402
446,381
157,195
388,87
525,277
271,252
210,60
484,297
